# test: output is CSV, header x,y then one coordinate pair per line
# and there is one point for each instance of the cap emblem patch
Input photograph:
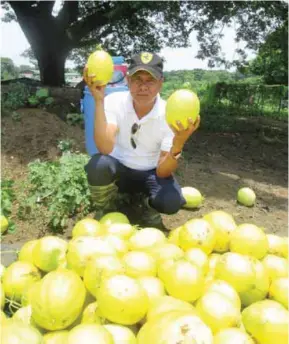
x,y
146,57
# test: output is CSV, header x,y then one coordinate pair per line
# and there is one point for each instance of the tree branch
x,y
101,17
45,7
68,13
23,7
94,40
83,27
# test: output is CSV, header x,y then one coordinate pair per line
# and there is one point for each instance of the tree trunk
x,y
51,64
48,39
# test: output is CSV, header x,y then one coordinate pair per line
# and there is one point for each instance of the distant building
x,y
71,78
26,74
30,73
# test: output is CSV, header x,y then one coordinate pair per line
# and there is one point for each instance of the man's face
x,y
144,87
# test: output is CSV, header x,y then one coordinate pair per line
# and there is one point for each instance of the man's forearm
x,y
168,164
102,138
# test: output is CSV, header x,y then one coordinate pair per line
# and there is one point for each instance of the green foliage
x,y
272,60
227,102
8,69
197,80
15,97
65,145
74,118
60,186
141,25
19,95
40,98
16,116
227,96
33,100
42,93
7,198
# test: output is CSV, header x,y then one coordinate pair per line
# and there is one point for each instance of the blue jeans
x,y
164,194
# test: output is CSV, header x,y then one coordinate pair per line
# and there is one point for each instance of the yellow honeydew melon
x,y
182,279
260,287
26,251
2,296
232,336
166,304
217,311
146,239
98,268
197,233
15,331
181,105
173,237
139,264
198,257
192,196
224,289
224,224
166,251
100,67
91,314
123,230
250,240
49,253
279,289
246,196
2,270
121,334
56,337
278,245
87,227
113,218
4,224
28,293
122,300
58,299
237,270
119,244
153,286
267,322
213,258
17,277
175,327
82,249
89,334
275,266
24,314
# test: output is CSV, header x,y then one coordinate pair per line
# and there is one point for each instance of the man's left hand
x,y
182,134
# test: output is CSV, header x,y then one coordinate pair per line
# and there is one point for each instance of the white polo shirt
x,y
153,136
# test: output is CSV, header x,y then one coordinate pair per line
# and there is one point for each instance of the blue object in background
x,y
117,84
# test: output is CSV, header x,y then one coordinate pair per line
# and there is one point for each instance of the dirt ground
x,y
215,163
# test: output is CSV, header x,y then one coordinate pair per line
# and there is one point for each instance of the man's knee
x,y
168,202
101,170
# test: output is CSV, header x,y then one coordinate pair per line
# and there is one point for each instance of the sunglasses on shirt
x,y
135,127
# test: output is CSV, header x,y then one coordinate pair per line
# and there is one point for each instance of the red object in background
x,y
118,76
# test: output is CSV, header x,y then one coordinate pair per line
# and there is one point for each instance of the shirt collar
x,y
154,113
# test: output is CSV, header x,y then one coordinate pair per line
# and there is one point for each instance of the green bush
x,y
15,97
61,187
7,199
40,98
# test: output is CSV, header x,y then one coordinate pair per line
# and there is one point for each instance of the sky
x,y
14,42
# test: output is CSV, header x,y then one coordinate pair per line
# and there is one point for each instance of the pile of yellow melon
x,y
209,281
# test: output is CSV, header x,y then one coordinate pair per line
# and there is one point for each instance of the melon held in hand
x,y
182,105
100,67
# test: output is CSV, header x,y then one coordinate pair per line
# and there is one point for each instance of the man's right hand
x,y
96,91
